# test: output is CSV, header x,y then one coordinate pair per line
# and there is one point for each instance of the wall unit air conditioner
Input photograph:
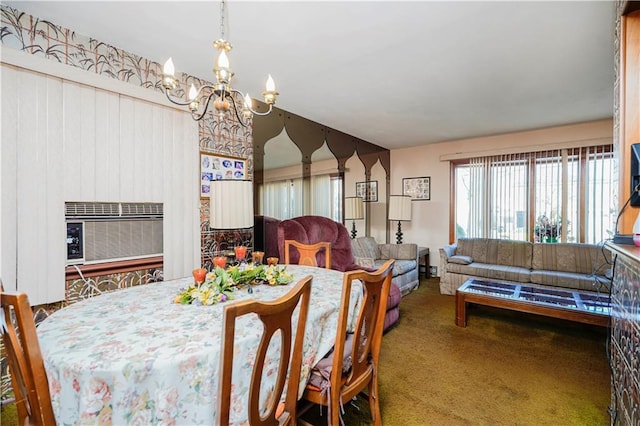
x,y
100,232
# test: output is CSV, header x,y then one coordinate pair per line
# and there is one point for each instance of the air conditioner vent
x,y
73,209
141,209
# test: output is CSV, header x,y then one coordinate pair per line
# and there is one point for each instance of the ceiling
x,y
397,74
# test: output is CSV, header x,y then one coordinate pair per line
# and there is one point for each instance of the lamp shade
x,y
231,204
353,208
399,207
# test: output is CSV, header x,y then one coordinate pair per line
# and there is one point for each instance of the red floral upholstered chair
x,y
314,229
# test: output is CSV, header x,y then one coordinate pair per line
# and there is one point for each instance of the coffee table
x,y
575,305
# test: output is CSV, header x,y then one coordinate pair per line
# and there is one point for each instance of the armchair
x,y
369,253
314,229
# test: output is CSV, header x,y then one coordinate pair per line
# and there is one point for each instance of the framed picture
x,y
367,190
419,188
217,167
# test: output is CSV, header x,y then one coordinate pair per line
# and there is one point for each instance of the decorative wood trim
x,y
108,268
629,101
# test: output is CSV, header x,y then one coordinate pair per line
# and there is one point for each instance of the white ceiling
x,y
393,73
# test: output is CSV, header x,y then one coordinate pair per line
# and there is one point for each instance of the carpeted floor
x,y
504,368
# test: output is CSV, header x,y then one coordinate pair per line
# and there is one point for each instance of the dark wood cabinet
x,y
625,335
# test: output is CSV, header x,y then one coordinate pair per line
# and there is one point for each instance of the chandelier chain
x,y
222,13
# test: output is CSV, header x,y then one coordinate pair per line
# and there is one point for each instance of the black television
x,y
635,175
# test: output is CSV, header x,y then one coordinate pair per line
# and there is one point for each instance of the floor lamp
x,y
231,207
399,209
353,210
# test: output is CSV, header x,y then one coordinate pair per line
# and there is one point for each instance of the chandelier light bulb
x,y
223,61
193,92
271,85
168,68
247,101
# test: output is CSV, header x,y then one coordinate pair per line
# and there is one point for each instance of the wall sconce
x,y
399,209
353,210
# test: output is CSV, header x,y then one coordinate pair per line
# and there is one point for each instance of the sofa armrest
x,y
407,251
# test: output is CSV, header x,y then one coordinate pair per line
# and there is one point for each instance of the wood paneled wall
x,y
66,141
629,106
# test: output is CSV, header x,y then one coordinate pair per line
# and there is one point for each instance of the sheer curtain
x,y
284,199
281,199
321,200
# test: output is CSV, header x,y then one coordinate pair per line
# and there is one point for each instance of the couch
x,y
577,266
313,229
368,253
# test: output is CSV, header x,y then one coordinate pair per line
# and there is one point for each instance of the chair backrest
x,y
276,315
307,253
26,367
367,336
312,229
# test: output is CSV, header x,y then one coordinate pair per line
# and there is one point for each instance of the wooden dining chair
x,y
276,315
26,367
308,252
353,364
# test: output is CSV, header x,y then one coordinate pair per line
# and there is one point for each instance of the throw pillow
x,y
460,259
366,262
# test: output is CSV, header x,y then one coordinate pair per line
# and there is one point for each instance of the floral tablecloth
x,y
134,357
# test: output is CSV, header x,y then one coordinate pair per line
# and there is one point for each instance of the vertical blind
x,y
546,196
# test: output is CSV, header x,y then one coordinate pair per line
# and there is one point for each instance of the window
x,y
550,196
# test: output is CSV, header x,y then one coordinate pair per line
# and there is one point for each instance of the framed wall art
x,y
367,190
217,167
418,188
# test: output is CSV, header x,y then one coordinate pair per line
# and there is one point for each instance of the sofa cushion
x,y
567,257
496,251
365,247
476,248
399,267
514,253
398,251
488,270
460,259
568,279
365,262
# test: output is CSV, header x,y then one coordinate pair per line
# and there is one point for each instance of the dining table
x,y
134,356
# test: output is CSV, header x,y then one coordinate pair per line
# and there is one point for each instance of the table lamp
x,y
399,209
353,210
231,204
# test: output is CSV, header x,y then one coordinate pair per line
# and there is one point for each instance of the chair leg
x,y
374,403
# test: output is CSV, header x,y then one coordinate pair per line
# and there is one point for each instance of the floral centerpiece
x,y
221,284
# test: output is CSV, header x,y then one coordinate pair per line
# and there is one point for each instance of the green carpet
x,y
504,368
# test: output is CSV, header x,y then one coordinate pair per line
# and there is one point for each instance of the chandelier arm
x,y
181,103
235,108
173,101
248,107
199,117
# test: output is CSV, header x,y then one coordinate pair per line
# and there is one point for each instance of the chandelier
x,y
221,92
